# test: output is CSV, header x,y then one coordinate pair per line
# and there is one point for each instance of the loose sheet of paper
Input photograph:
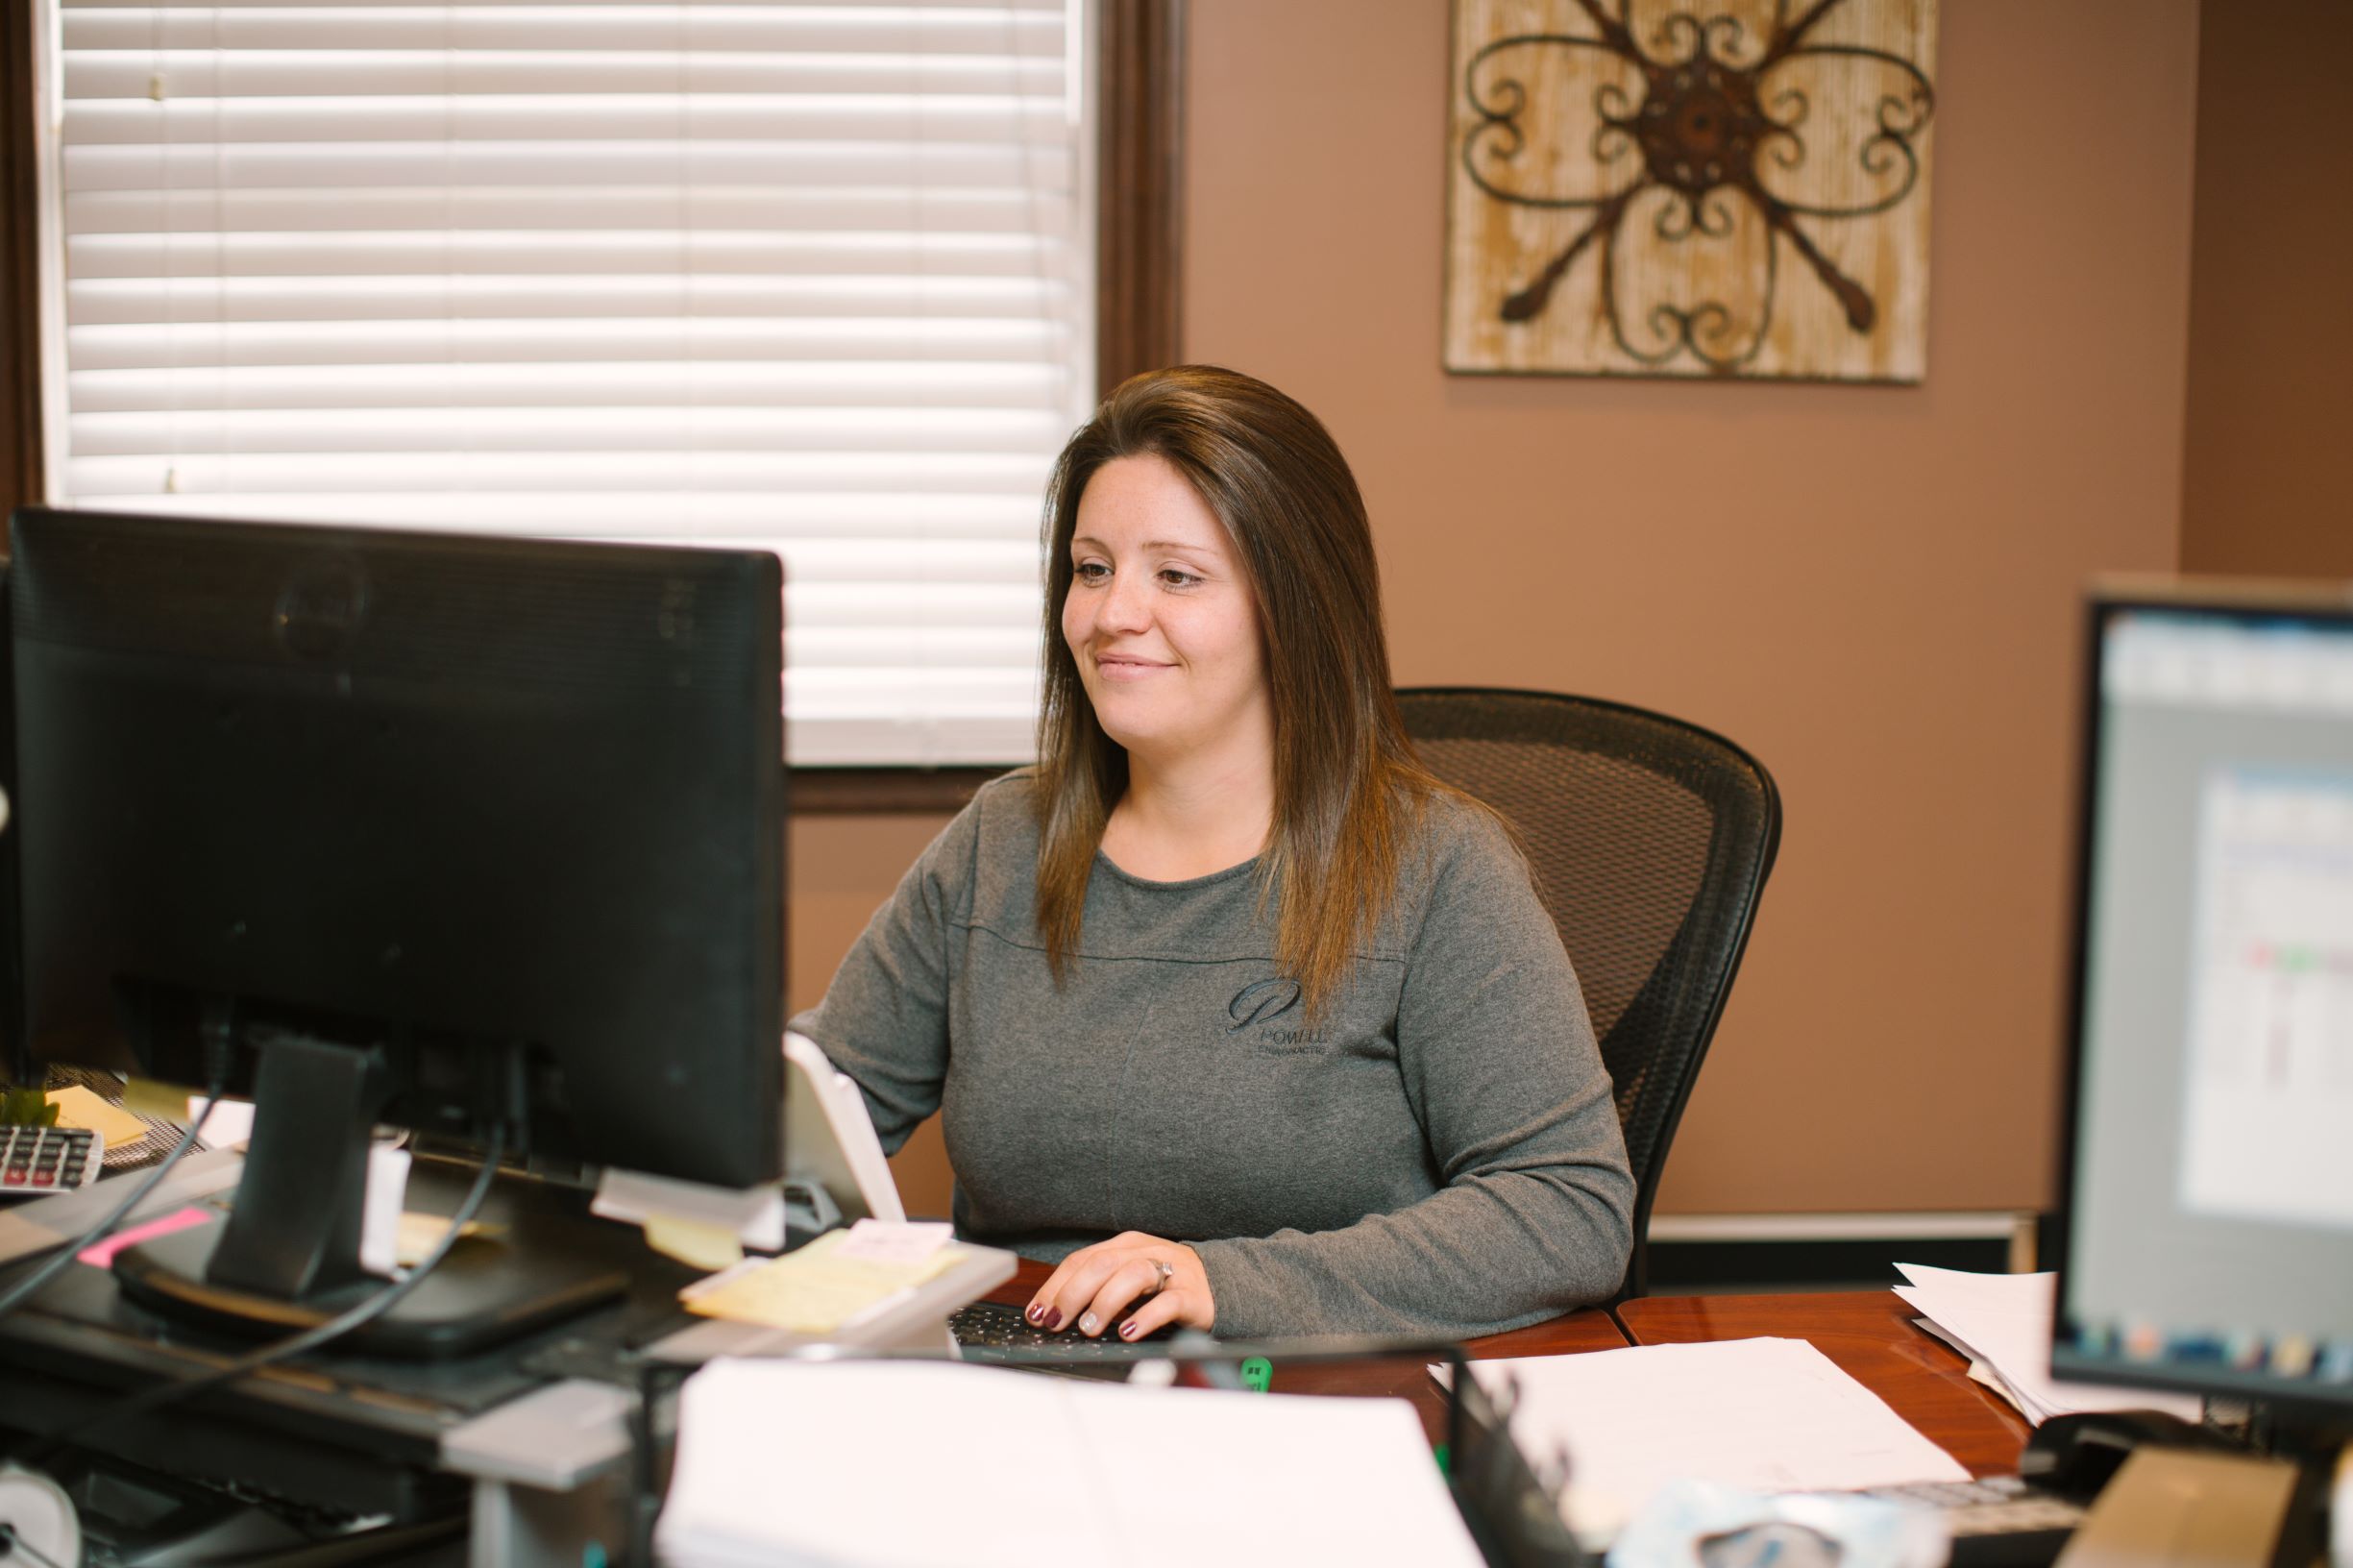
x,y
2003,1322
1979,1371
894,1462
230,1123
1766,1415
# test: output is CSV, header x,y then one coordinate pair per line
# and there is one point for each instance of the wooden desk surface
x,y
1396,1376
1868,1333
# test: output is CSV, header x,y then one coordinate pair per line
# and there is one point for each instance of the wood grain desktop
x,y
1868,1333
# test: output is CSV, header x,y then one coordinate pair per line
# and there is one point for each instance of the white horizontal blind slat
x,y
839,431
459,163
895,478
182,121
537,253
876,383
607,514
128,346
846,29
375,297
648,77
650,205
808,278
652,10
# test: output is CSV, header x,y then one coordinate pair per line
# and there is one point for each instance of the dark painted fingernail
x,y
1053,1317
1127,1331
1037,1313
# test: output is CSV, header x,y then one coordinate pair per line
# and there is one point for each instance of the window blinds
x,y
815,278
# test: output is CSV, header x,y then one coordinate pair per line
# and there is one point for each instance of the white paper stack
x,y
1764,1415
903,1465
2001,1322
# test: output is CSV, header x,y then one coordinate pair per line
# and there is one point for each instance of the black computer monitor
x,y
389,827
2208,1198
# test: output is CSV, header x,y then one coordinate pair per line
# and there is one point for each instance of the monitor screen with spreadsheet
x,y
2209,1173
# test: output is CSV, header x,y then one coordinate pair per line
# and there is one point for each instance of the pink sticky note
x,y
102,1256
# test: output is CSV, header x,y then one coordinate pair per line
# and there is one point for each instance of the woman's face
x,y
1162,620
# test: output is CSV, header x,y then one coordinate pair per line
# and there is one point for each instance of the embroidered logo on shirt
x,y
1262,1001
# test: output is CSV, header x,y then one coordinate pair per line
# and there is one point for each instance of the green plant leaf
x,y
27,1108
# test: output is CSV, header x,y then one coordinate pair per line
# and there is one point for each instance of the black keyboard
x,y
986,1331
1997,1521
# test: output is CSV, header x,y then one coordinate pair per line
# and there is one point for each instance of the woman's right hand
x,y
1128,1286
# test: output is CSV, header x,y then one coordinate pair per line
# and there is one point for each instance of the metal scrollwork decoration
x,y
1745,183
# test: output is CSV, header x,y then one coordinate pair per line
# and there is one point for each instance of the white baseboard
x,y
2014,1227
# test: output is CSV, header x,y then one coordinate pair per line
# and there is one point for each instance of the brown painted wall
x,y
2271,320
1872,588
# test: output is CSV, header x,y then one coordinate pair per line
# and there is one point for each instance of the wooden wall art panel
x,y
1691,187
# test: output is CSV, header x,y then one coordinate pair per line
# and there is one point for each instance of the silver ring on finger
x,y
1163,1272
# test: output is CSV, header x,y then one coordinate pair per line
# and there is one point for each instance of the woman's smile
x,y
1129,666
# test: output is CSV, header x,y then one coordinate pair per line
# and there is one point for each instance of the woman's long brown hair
x,y
1348,790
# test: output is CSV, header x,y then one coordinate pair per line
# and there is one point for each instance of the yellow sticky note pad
x,y
78,1107
694,1244
814,1290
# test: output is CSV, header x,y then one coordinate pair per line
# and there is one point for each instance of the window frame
x,y
21,459
1140,57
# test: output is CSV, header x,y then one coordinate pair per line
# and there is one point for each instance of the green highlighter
x,y
1258,1373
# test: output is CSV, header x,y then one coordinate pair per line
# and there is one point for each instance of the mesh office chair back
x,y
1650,840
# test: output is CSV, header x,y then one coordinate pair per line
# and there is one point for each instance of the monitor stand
x,y
287,1257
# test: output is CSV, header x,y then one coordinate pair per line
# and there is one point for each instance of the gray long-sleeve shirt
x,y
1439,1153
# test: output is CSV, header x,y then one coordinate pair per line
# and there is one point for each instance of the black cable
x,y
644,1455
158,1395
401,1543
30,1286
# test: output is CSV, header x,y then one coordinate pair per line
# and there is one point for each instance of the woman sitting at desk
x,y
1227,1004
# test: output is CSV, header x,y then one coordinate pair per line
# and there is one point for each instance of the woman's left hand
x,y
1127,1285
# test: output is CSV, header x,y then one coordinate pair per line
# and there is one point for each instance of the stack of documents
x,y
900,1463
1764,1415
2001,1322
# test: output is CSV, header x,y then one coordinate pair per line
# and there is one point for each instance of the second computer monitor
x,y
2210,1140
